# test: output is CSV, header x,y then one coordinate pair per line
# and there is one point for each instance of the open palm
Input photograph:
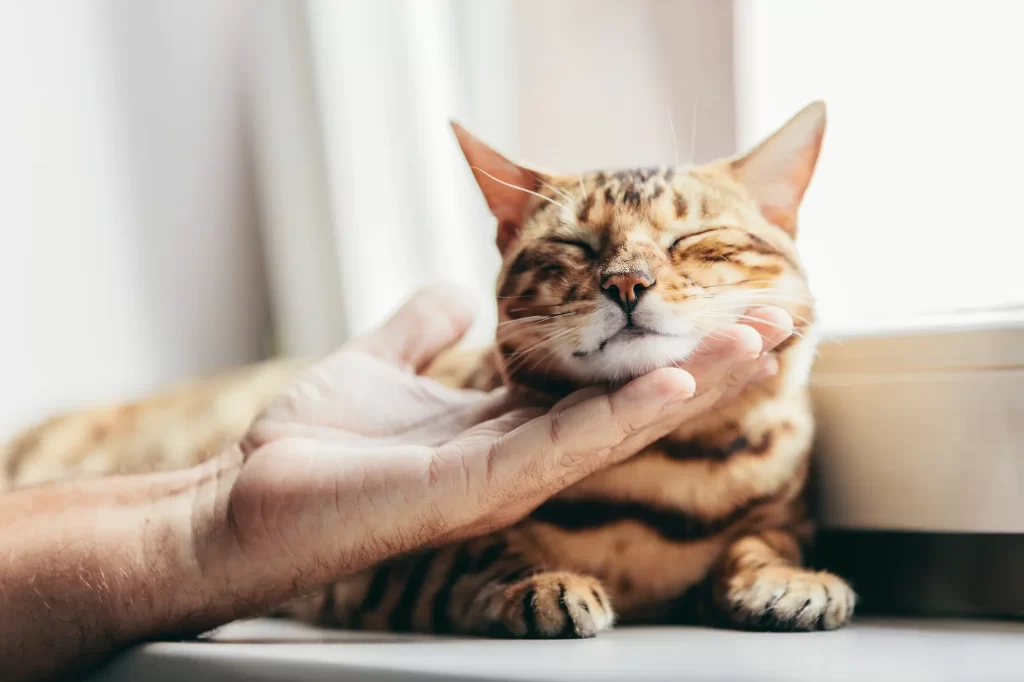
x,y
362,458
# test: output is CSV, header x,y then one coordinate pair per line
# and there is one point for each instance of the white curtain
x,y
567,85
128,254
177,173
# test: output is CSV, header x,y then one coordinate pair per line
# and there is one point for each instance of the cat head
x,y
607,275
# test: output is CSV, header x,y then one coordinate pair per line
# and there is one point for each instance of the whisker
x,y
749,318
535,320
713,333
517,359
742,305
560,192
736,284
754,296
521,189
675,140
545,306
549,356
753,291
709,332
693,131
542,327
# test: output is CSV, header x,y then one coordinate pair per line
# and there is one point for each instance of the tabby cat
x,y
605,276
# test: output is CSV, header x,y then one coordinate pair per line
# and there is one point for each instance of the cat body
x,y
605,276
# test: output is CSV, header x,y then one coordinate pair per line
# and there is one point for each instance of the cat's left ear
x,y
502,183
777,171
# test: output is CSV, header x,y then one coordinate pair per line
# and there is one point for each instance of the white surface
x,y
907,651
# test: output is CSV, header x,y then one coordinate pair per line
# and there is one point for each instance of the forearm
x,y
87,568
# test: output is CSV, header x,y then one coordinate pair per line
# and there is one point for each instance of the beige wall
x,y
599,80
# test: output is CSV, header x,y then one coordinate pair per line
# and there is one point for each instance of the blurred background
x,y
196,184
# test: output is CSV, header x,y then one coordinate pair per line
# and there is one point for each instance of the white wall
x,y
566,85
913,210
128,252
610,83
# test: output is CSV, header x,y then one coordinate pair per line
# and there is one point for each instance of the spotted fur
x,y
605,276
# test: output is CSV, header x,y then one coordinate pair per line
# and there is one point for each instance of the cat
x,y
605,275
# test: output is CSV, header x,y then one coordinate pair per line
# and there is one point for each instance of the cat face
x,y
608,275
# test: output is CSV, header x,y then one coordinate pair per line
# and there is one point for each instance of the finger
x,y
580,396
499,402
432,320
773,324
479,408
747,373
729,346
568,443
742,375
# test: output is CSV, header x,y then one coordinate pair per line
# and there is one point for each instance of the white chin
x,y
627,358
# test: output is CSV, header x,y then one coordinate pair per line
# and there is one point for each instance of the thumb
x,y
430,321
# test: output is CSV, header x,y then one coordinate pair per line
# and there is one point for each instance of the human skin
x,y
359,460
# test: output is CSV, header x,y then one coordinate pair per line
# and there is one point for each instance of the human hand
x,y
362,458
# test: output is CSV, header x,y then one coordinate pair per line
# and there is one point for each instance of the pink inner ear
x,y
507,232
506,186
507,203
781,216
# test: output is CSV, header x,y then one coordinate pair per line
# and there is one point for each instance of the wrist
x,y
190,574
91,566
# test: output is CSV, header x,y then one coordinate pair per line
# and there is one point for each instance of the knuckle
x,y
623,425
493,455
570,461
735,377
627,427
555,426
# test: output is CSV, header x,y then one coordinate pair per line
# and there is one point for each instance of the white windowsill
x,y
945,321
869,650
920,429
920,424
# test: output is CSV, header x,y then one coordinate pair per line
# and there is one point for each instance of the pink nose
x,y
626,288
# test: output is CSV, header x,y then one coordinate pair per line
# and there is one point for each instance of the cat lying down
x,y
605,275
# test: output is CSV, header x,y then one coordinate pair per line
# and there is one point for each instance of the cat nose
x,y
626,288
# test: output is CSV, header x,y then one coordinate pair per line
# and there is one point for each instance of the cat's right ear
x,y
506,186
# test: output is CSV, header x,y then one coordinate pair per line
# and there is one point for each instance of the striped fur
x,y
708,525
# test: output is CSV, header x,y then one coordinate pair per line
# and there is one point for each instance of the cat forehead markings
x,y
644,201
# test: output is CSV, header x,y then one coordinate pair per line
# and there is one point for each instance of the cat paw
x,y
787,598
556,605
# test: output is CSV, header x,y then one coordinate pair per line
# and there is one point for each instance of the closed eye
x,y
587,249
679,241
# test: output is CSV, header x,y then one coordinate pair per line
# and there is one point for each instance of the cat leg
x,y
505,591
546,604
481,587
759,584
